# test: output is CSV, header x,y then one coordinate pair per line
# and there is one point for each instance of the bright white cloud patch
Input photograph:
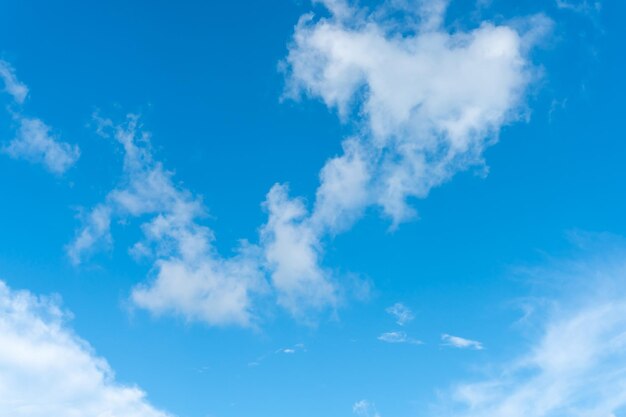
x,y
428,101
46,370
402,313
460,342
34,141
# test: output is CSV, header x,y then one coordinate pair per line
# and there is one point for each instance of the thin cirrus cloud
x,y
426,103
575,365
49,371
34,140
461,342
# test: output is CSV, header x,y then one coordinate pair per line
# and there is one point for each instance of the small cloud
x,y
398,337
12,85
402,313
364,408
461,343
298,347
34,142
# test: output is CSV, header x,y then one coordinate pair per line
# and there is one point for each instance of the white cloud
x,y
364,408
461,343
428,101
402,313
398,337
292,251
46,370
188,277
35,143
12,85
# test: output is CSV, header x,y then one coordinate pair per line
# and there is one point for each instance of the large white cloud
x,y
426,100
34,141
47,370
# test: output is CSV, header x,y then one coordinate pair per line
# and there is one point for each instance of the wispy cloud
x,y
575,365
291,350
364,408
580,6
298,347
460,342
398,337
49,371
188,277
34,141
402,313
12,85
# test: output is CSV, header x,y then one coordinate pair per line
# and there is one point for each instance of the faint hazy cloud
x,y
188,278
402,313
398,337
364,408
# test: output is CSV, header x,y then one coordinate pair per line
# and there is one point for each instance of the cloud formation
x,y
398,337
34,141
402,313
427,101
188,278
46,370
460,342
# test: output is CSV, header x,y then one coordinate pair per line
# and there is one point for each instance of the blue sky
x,y
337,208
